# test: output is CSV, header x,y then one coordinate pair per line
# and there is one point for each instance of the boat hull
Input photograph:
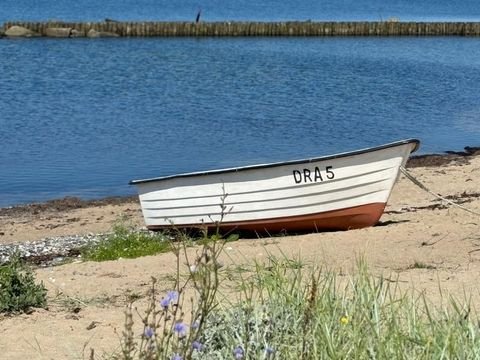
x,y
338,192
343,219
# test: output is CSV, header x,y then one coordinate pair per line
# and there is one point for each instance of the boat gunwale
x,y
282,163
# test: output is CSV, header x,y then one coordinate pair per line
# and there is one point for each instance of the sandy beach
x,y
87,299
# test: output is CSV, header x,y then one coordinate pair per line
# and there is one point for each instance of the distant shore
x,y
114,28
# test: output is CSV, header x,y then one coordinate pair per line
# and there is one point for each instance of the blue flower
x,y
165,303
180,328
171,296
148,332
176,357
238,353
269,351
197,345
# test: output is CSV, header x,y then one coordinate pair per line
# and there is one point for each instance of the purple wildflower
x,y
165,302
238,353
176,357
148,332
180,328
171,296
197,345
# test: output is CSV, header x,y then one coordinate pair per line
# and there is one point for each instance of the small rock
x,y
92,325
50,250
20,31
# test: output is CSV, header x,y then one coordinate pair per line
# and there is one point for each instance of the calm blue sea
x,y
83,117
219,10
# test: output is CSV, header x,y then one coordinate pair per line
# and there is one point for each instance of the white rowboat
x,y
337,192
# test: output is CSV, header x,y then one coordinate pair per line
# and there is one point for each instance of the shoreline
x,y
453,175
72,202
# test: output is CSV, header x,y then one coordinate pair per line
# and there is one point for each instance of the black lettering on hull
x,y
297,175
318,174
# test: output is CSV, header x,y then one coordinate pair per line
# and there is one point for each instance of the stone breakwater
x,y
49,250
112,28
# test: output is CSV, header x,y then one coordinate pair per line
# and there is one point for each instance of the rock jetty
x,y
114,28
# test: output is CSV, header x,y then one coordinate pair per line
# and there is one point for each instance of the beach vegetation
x,y
19,291
125,242
284,308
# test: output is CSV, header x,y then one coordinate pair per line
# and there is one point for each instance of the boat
x,y
343,191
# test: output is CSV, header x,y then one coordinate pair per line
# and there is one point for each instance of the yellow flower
x,y
344,320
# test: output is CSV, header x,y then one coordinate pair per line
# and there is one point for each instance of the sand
x,y
421,243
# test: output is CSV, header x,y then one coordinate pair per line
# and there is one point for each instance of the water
x,y
83,117
219,10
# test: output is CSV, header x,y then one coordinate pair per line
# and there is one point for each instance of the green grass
x,y
126,243
295,313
